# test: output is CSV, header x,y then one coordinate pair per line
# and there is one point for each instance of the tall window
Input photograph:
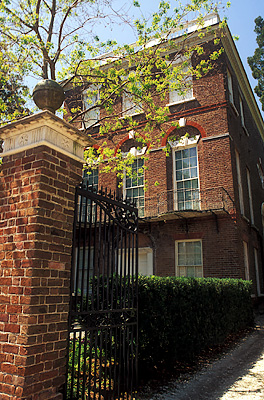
x,y
230,87
178,96
129,104
134,185
90,98
189,258
90,179
84,260
242,116
261,172
257,271
239,182
250,197
246,260
186,179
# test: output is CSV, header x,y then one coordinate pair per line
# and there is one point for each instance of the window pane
x,y
187,184
185,153
186,174
179,164
194,183
193,172
178,154
190,272
180,185
185,163
179,175
193,152
193,162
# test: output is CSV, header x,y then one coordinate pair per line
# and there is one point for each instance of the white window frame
x,y
93,177
138,155
246,260
177,266
174,96
129,107
91,117
257,272
230,87
84,271
239,182
261,173
142,251
148,252
250,197
242,115
185,144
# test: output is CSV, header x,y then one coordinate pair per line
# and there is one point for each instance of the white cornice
x,y
47,129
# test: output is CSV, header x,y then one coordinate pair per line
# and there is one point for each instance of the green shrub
x,y
179,317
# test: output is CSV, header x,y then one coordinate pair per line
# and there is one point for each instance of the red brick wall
x,y
222,250
222,134
37,202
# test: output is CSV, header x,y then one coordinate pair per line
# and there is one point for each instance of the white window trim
x,y
246,260
183,146
261,173
190,78
250,198
131,110
137,154
242,115
91,121
149,253
180,102
176,254
239,182
83,271
185,142
230,87
257,272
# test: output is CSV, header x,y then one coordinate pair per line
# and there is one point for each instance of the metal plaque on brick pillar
x,y
102,358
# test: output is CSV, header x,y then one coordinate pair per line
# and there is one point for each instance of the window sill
x,y
234,108
180,102
245,130
93,125
245,218
132,115
253,226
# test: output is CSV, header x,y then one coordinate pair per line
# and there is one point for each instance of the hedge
x,y
180,317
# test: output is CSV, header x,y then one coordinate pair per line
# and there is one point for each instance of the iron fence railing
x,y
216,198
103,329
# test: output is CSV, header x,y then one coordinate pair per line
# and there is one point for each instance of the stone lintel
x,y
44,128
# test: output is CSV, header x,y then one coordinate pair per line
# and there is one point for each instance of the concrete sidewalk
x,y
239,374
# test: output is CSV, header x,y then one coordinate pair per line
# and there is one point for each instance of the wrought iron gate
x,y
102,361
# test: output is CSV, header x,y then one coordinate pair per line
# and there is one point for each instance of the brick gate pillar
x,y
42,164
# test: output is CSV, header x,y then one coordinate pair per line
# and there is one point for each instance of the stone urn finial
x,y
48,95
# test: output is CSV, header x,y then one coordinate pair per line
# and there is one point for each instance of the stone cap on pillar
x,y
44,128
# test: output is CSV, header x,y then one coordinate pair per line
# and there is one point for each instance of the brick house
x,y
205,218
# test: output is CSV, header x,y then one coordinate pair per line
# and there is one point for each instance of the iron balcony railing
x,y
185,200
